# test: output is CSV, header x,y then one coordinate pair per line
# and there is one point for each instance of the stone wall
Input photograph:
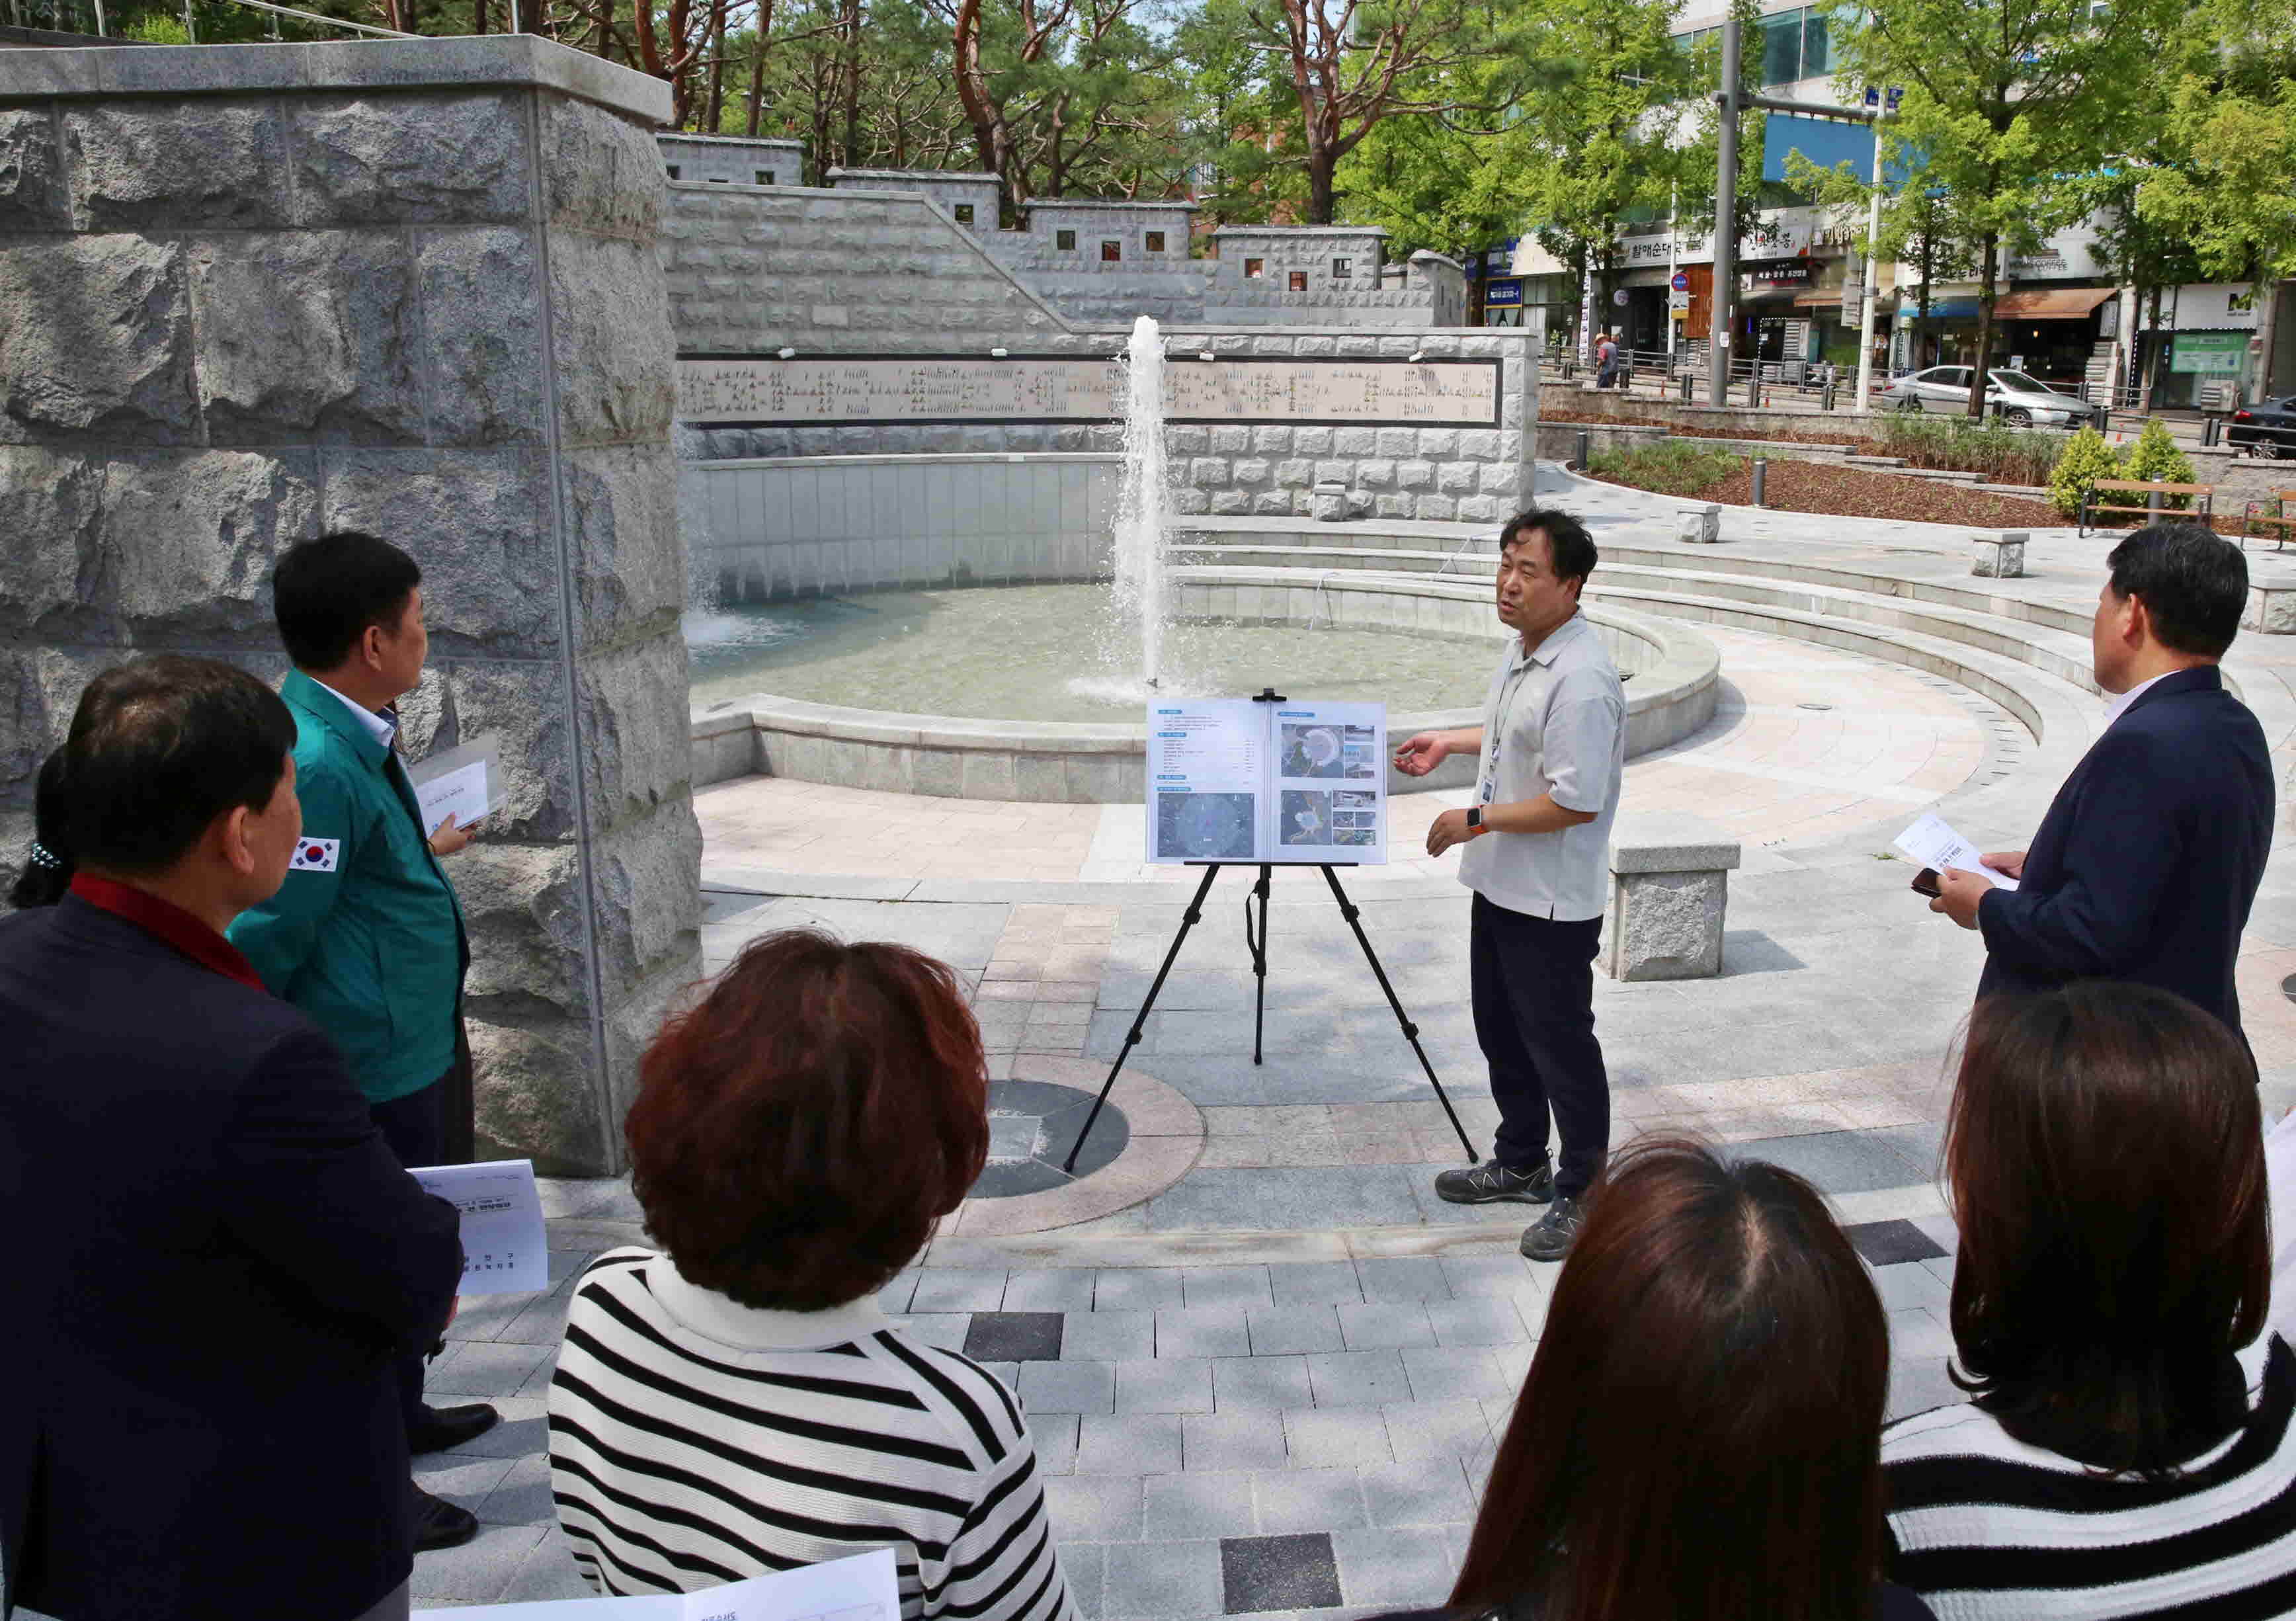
x,y
254,293
733,160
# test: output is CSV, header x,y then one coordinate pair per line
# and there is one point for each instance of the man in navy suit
x,y
213,1258
2148,861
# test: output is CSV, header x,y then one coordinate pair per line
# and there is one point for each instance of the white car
x,y
2020,400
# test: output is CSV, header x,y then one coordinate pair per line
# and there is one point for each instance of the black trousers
x,y
416,1128
1534,994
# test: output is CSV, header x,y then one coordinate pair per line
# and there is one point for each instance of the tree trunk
x,y
2149,358
714,113
477,16
758,69
849,27
1985,296
1321,167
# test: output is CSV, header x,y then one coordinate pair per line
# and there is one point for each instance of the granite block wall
x,y
252,293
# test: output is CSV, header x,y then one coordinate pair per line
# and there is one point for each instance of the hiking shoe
x,y
1492,1183
1550,1237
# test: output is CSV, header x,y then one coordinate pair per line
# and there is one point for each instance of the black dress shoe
x,y
440,1524
444,1428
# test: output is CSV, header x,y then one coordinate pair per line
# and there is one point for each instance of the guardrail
x,y
228,19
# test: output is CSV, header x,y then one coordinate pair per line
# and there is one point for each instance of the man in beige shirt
x,y
1553,751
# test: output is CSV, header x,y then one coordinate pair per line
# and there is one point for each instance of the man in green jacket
x,y
365,936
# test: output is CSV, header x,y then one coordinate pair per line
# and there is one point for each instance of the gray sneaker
x,y
1551,1237
1492,1183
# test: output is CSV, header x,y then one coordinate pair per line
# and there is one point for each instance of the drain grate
x,y
1818,706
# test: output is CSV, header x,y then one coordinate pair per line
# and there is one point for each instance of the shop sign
x,y
2208,353
1677,300
1501,291
1781,272
1666,248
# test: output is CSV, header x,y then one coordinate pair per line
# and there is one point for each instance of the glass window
x,y
1254,268
1112,252
1781,48
1155,242
964,213
764,177
1298,280
673,171
1064,240
719,180
1341,269
1816,51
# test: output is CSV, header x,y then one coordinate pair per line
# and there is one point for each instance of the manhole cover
x,y
1032,1125
2288,987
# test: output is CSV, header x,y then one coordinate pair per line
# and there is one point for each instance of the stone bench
x,y
2271,608
1998,554
1700,527
1669,888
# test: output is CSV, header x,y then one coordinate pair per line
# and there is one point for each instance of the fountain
x,y
1140,512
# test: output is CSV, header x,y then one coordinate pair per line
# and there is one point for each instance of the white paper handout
x,y
1230,779
465,783
505,1250
866,1587
1932,842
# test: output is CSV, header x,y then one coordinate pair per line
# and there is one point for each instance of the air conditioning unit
x,y
2220,396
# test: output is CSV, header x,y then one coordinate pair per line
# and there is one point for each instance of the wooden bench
x,y
2282,517
2203,496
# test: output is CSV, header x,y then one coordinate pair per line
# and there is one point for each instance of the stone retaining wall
x,y
253,292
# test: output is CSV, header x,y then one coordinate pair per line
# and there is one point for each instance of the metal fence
x,y
198,21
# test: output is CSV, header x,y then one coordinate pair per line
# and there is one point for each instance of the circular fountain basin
x,y
998,692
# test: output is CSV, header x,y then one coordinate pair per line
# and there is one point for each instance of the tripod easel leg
x,y
1410,1030
1188,920
1258,945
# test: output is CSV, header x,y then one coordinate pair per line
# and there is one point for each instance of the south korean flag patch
x,y
315,855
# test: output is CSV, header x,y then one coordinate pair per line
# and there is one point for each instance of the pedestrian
x,y
2146,864
365,936
1606,361
1553,752
215,1256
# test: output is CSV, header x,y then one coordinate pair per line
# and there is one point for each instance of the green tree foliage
x,y
2155,458
2085,459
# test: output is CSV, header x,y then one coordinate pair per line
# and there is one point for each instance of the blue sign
x,y
1503,289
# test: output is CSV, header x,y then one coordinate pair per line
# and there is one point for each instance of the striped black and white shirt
x,y
694,1441
1985,1526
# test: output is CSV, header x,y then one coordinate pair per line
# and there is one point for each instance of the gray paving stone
x,y
1392,1565
1314,1283
1385,1326
959,1289
1303,1499
945,1329
547,1573
1489,1321
541,1323
1474,1277
1917,1384
1358,1379
1335,1437
896,1296
1294,1329
1167,1385
477,1572
1085,1567
524,1427
1014,1337
1147,1443
521,1497
466,1482
1422,1492
1068,1289
1391,1280
1162,1581
1135,1289
1068,1386
1093,1507
1007,1374
1243,1439
483,1368
1194,1505
1917,1334
1054,1436
1261,1382
1437,1429
1911,1285
1227,1286
1202,1331
1443,1373
1109,1336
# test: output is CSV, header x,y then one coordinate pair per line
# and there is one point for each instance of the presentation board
x,y
1232,779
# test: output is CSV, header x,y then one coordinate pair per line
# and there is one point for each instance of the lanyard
x,y
1510,684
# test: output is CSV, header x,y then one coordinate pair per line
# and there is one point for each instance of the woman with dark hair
x,y
47,873
2128,1449
1697,1439
738,1403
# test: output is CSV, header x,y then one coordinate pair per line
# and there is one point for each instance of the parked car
x,y
2267,427
2020,400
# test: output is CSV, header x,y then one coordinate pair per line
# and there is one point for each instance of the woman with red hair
x,y
737,1403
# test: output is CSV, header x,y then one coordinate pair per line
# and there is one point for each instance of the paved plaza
x,y
1263,1364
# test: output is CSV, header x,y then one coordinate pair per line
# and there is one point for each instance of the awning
x,y
1818,300
2051,303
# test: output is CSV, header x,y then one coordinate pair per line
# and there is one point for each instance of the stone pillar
x,y
1669,892
1998,554
1700,527
253,292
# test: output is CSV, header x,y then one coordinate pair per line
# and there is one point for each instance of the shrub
x,y
2085,459
1666,466
2013,455
2155,458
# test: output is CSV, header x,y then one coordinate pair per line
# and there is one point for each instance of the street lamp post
x,y
1726,227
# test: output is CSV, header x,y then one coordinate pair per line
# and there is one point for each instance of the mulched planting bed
x,y
1780,432
1855,493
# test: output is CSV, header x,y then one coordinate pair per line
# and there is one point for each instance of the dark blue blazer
x,y
212,1260
2148,861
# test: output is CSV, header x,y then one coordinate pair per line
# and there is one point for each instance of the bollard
x,y
1586,444
2211,431
2153,500
1685,388
2101,418
1761,472
1826,401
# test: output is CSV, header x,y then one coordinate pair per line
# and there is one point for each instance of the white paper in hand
x,y
505,1250
1932,842
866,1587
465,783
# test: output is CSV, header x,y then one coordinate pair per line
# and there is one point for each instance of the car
x,y
2018,399
2267,427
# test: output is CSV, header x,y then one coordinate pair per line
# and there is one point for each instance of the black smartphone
x,y
1925,883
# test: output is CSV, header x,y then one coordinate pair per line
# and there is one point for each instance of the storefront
x,y
2205,333
2049,333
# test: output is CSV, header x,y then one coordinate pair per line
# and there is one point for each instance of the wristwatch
x,y
1474,819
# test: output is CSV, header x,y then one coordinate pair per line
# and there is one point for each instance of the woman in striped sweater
x,y
2129,1452
736,1402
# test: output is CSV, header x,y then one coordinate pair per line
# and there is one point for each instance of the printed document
x,y
1230,779
465,783
504,1249
866,1587
1932,842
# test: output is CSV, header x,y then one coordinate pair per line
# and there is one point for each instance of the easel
x,y
1255,941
